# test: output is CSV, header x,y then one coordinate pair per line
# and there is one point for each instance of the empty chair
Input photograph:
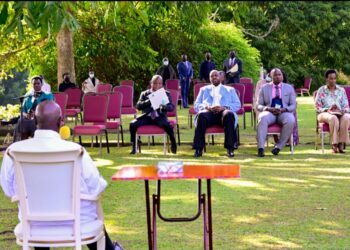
x,y
114,114
61,98
127,83
128,99
248,98
305,88
173,114
104,88
74,103
175,85
95,117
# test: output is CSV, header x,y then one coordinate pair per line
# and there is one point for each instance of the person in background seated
x,y
276,104
25,127
90,84
166,71
216,104
48,120
153,117
332,107
206,67
66,84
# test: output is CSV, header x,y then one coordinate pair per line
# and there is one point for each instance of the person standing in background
x,y
233,68
206,67
184,68
166,70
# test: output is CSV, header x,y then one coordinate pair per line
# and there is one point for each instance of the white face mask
x,y
91,75
166,63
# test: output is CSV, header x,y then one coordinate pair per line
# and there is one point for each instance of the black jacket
x,y
144,104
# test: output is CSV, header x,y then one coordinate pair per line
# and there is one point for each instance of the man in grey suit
x,y
276,102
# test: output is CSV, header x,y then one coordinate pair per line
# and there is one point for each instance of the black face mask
x,y
232,56
66,79
208,58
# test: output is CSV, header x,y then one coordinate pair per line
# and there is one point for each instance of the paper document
x,y
158,98
234,68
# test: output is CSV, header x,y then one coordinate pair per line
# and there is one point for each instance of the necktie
x,y
154,114
277,95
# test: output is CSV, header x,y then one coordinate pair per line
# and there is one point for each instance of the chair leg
x,y
251,119
291,144
244,124
118,137
238,137
106,133
164,144
212,139
153,141
122,133
178,133
80,141
100,144
322,142
101,243
190,121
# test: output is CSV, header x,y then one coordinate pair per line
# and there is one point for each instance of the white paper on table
x,y
158,98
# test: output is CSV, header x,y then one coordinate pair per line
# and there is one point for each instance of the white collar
x,y
46,133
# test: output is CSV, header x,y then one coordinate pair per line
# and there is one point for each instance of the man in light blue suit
x,y
185,70
216,104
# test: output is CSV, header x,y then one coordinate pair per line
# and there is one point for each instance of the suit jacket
x,y
89,86
28,102
205,69
162,69
233,78
288,97
184,72
228,99
144,105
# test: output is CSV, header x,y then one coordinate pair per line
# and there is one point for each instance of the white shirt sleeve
x,y
91,183
7,176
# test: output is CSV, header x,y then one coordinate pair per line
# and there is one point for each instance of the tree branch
x,y
273,26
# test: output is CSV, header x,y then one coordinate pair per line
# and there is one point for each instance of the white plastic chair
x,y
48,186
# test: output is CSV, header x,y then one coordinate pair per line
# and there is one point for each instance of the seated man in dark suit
x,y
216,104
153,117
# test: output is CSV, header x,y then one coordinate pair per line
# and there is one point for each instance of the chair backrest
x,y
307,82
196,89
241,89
114,110
48,186
95,108
244,80
128,95
175,98
104,88
74,97
248,92
347,91
127,82
61,98
172,84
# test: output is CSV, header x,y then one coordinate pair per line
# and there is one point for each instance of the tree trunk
x,y
65,55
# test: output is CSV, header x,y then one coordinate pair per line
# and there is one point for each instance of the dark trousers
x,y
185,88
147,120
207,119
92,246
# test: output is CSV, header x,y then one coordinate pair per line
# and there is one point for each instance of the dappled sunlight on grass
x,y
102,162
332,177
268,241
329,231
250,219
258,197
112,228
246,184
294,180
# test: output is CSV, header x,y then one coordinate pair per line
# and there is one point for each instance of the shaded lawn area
x,y
285,202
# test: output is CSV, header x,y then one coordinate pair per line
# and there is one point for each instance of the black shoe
x,y
173,148
261,152
198,153
275,151
230,153
133,150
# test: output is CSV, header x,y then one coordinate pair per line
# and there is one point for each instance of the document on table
x,y
158,98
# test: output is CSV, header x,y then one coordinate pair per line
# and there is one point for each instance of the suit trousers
x,y
336,126
207,119
147,120
266,118
185,88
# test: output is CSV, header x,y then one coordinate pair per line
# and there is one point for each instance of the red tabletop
x,y
190,172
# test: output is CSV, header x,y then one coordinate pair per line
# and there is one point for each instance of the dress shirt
x,y
216,95
232,61
325,99
90,181
274,90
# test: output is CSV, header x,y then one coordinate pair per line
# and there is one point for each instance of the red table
x,y
198,172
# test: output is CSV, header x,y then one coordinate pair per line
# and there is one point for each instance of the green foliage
x,y
9,112
13,87
310,37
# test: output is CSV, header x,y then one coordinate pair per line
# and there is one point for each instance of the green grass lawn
x,y
299,201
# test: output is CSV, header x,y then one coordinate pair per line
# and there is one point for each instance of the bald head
x,y
48,116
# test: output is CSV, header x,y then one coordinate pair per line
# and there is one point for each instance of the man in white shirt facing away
x,y
48,119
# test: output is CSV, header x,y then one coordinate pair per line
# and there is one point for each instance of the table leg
x,y
154,221
210,226
148,213
205,223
